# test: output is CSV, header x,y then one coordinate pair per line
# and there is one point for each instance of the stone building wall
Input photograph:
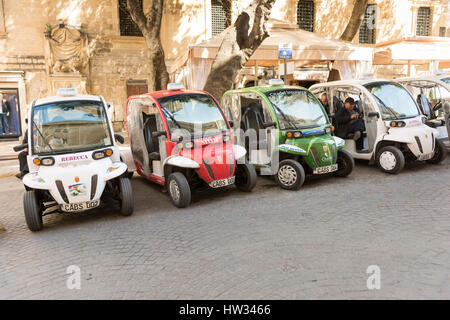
x,y
116,60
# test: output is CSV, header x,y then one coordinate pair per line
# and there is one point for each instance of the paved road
x,y
314,243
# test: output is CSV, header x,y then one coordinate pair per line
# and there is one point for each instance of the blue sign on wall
x,y
285,51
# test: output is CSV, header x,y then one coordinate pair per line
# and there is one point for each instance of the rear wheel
x,y
440,153
245,177
32,209
290,175
345,163
179,189
126,197
390,160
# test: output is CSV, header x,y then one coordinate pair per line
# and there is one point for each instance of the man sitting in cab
x,y
349,123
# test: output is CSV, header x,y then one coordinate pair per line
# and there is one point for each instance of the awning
x,y
413,50
307,47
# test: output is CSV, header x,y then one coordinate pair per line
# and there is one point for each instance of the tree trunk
x,y
150,26
238,45
359,9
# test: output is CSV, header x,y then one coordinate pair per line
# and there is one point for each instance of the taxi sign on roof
x,y
67,92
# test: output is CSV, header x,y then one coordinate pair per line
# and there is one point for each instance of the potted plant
x,y
48,31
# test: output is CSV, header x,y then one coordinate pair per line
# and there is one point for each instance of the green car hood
x,y
318,150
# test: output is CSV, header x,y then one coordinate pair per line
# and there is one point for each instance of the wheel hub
x,y
287,175
388,160
174,190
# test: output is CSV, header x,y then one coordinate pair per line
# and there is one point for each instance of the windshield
x,y
296,109
446,80
69,126
195,114
393,100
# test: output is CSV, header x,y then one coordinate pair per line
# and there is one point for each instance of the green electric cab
x,y
287,133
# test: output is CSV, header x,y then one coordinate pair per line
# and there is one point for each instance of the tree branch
x,y
359,9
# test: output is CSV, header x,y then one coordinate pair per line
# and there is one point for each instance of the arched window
x,y
305,15
220,15
423,21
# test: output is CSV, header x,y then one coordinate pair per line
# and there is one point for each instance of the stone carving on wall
x,y
67,59
67,51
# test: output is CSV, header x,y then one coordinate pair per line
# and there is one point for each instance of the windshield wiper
x,y
284,116
385,106
40,133
168,113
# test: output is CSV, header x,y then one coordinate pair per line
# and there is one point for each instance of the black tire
x,y
179,189
345,163
390,160
129,174
126,196
245,177
290,175
440,153
32,209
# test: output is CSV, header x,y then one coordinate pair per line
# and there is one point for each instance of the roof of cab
x,y
264,89
53,99
167,93
349,82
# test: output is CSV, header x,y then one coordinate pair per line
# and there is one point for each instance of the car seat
x,y
252,119
151,142
427,110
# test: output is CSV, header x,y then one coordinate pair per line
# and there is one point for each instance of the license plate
x,y
221,183
80,206
327,169
426,156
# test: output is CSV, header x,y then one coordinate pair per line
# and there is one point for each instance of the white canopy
x,y
307,49
413,50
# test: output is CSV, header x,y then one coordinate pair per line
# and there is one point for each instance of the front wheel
x,y
440,153
390,160
290,175
345,163
245,177
126,197
179,190
33,214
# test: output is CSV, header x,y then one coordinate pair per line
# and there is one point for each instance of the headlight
x,y
328,130
97,155
226,138
399,124
424,120
49,161
298,134
186,145
189,144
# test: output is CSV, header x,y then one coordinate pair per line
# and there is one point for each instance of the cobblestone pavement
x,y
314,243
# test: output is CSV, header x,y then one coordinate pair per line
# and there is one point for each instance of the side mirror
x,y
156,134
372,114
119,138
20,147
269,124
